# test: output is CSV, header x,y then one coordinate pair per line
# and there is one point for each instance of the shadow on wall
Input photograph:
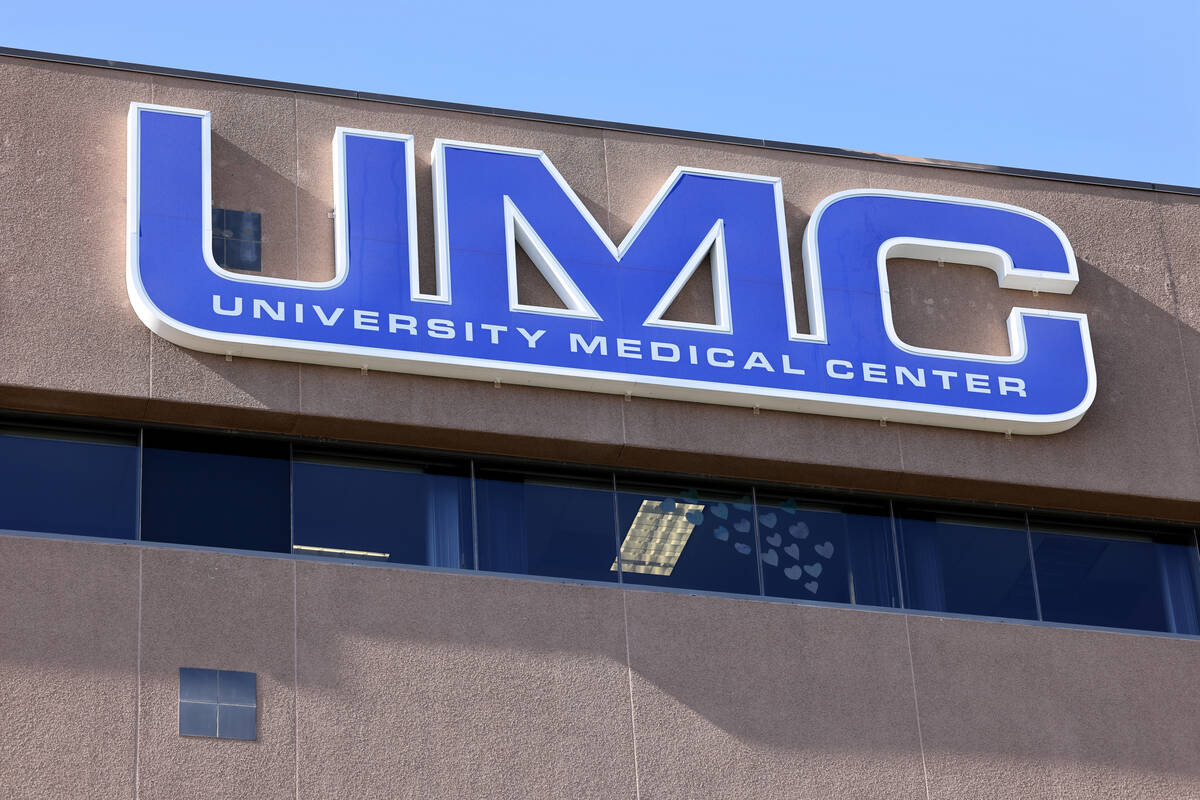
x,y
372,644
244,183
778,678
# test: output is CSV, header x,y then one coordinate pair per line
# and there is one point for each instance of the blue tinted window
x,y
197,719
380,511
237,722
84,485
216,491
688,539
1116,582
218,703
540,526
238,688
199,685
831,553
966,565
237,239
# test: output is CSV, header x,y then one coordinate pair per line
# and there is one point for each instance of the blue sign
x,y
610,332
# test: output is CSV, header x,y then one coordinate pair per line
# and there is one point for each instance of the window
x,y
376,510
533,524
688,538
1087,577
72,483
821,551
374,505
216,491
966,564
218,703
237,239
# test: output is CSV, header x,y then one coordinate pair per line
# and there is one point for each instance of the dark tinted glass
x,y
85,485
839,554
197,719
215,491
1116,582
237,239
688,539
966,565
533,525
380,511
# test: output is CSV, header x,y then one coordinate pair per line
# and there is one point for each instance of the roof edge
x,y
769,144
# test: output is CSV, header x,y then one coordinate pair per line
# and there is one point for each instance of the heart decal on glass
x,y
825,550
774,540
794,572
814,569
793,550
768,519
742,548
695,517
667,506
721,510
811,586
744,504
742,526
772,558
799,530
722,533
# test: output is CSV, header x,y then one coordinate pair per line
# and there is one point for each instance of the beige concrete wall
x,y
392,682
71,343
386,682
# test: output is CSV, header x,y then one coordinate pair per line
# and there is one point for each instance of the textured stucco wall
x,y
384,682
391,682
71,342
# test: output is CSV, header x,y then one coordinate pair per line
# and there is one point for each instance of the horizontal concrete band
x,y
381,682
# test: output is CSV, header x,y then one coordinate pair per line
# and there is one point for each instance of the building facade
x,y
465,578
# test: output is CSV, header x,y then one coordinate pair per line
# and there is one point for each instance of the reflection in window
x,y
687,540
216,491
656,538
535,525
966,565
838,554
1132,582
69,483
381,511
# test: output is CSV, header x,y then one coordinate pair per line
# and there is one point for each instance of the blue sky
x,y
1099,87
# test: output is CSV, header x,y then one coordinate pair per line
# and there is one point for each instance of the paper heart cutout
x,y
793,550
742,526
744,504
788,506
768,519
667,506
799,530
814,569
722,533
690,494
794,572
721,510
742,548
771,557
694,517
825,550
811,586
774,540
